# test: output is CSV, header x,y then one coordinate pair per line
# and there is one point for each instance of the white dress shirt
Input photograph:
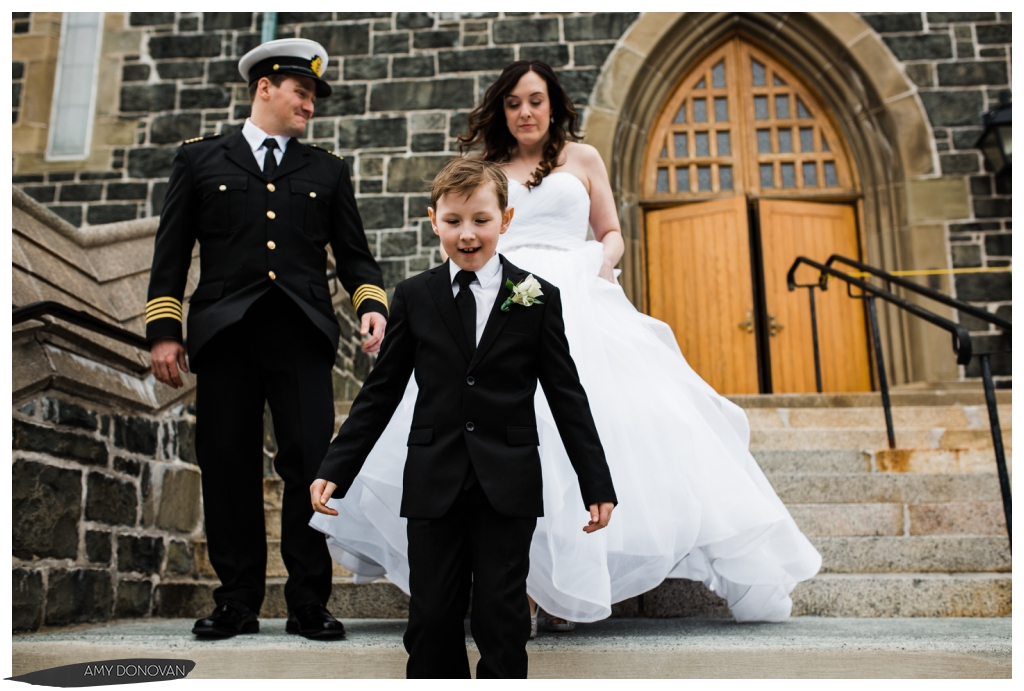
x,y
485,289
255,136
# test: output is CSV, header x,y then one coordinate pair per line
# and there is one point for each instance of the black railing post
x,y
883,381
814,334
997,440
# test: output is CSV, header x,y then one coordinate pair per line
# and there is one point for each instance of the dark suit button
x,y
470,427
470,381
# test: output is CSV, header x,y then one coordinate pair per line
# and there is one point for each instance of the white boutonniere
x,y
524,293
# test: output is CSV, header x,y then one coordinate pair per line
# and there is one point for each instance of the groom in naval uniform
x,y
261,327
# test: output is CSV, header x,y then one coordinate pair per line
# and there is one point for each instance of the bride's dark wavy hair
x,y
488,129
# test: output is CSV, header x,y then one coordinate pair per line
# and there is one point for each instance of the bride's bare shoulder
x,y
578,152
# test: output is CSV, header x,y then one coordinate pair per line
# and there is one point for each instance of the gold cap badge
x,y
317,65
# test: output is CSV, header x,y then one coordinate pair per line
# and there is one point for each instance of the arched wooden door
x,y
746,171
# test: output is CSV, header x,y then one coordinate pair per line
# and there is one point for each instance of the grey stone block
x,y
69,414
139,553
109,500
965,256
71,214
186,435
525,30
201,46
959,164
179,70
382,212
390,43
601,26
97,546
366,68
302,17
98,214
411,174
428,141
135,73
223,72
398,244
920,47
136,434
951,17
134,599
42,193
416,66
812,460
372,133
340,39
176,127
76,447
413,20
205,97
890,22
474,60
982,72
995,33
999,244
226,20
679,597
552,55
150,18
953,108
150,163
127,191
346,99
26,600
591,53
380,599
984,287
179,558
77,596
993,208
435,39
191,599
579,84
80,193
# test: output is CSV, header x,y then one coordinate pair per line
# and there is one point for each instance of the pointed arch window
x,y
742,122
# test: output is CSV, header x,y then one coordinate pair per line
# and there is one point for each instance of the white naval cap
x,y
298,56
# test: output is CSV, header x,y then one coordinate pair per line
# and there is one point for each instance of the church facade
x,y
735,142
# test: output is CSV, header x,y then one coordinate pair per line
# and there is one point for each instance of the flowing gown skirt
x,y
693,502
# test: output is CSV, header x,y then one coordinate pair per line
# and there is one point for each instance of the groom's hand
x,y
600,514
320,493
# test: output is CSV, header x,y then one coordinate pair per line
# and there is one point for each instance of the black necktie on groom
x,y
269,159
465,302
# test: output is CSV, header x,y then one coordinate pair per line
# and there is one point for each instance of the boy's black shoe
x,y
314,621
229,619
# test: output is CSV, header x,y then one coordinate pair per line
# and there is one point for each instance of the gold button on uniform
x,y
270,186
222,188
271,215
313,194
273,276
271,244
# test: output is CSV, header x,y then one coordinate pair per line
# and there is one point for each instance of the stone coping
x,y
94,236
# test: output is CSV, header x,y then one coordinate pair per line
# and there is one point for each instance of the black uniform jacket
x,y
253,233
483,404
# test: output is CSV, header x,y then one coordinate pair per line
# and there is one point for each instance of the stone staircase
x,y
913,532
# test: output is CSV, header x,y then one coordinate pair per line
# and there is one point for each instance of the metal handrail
x,y
962,345
930,293
79,318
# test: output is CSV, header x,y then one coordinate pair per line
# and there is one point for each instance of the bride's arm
x,y
603,217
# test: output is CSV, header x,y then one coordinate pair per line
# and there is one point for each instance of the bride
x,y
693,503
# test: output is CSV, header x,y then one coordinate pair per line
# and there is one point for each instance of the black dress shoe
x,y
314,621
229,619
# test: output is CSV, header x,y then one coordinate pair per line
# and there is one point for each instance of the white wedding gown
x,y
693,503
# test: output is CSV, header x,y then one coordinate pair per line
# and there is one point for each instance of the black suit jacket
x,y
255,233
477,409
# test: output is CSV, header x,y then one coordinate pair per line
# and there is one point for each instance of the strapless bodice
x,y
556,213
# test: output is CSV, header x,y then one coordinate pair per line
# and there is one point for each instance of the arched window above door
x,y
741,122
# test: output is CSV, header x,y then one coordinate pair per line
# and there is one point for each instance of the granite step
x,y
895,519
275,563
899,399
876,488
871,438
924,554
912,417
802,647
812,460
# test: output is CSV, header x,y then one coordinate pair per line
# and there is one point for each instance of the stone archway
x,y
877,108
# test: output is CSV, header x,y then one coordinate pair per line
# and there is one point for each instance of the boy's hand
x,y
320,493
600,514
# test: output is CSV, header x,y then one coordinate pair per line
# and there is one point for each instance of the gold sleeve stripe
x,y
162,315
164,300
368,291
163,308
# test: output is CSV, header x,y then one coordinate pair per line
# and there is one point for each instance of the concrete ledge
x,y
806,647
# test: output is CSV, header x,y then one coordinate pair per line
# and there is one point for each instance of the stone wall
x,y
960,62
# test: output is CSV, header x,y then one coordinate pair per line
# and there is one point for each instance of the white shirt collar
x,y
255,136
486,273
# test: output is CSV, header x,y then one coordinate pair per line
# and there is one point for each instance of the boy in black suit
x,y
479,333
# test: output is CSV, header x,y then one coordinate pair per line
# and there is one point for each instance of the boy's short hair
x,y
465,175
275,79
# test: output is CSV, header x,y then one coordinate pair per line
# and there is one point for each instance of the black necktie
x,y
269,159
466,304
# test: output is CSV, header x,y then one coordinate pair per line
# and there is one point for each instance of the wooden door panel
x,y
698,268
788,230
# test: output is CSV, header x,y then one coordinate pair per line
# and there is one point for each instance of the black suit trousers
x,y
274,354
471,545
